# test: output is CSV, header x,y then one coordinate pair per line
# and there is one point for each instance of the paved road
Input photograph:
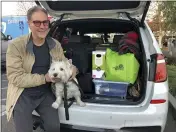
x,y
9,127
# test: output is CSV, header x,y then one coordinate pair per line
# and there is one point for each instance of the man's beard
x,y
43,35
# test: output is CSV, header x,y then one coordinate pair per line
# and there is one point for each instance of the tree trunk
x,y
161,35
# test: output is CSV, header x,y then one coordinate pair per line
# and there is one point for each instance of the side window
x,y
94,35
3,37
174,43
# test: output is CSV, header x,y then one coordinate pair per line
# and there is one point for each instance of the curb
x,y
172,103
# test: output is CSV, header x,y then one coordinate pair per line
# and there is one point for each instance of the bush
x,y
171,61
172,79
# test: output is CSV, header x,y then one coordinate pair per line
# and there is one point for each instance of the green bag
x,y
123,68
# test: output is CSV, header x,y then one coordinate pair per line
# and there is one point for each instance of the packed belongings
x,y
110,88
134,90
115,72
98,64
123,68
120,68
128,44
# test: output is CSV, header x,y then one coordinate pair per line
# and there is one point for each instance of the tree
x,y
153,17
164,19
24,6
169,15
157,24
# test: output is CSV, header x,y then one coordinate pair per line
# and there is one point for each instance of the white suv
x,y
147,113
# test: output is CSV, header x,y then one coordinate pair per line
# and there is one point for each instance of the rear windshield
x,y
91,5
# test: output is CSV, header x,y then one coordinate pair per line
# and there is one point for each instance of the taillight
x,y
161,71
157,101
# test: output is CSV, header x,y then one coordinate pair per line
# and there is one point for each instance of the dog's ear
x,y
70,61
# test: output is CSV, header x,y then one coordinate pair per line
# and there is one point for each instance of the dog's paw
x,y
82,104
55,105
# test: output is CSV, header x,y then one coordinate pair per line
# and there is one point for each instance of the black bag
x,y
85,82
77,51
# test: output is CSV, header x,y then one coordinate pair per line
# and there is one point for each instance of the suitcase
x,y
77,51
86,83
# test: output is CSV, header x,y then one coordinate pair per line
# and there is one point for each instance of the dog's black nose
x,y
55,74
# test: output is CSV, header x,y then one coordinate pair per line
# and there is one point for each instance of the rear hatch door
x,y
89,9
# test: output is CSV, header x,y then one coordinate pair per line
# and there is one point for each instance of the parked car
x,y
172,47
5,40
149,111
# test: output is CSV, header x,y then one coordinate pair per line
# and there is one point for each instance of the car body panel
x,y
4,46
103,116
88,9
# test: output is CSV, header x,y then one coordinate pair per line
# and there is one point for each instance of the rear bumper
x,y
136,118
143,129
113,118
95,117
125,129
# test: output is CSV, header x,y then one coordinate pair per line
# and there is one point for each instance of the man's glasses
x,y
38,23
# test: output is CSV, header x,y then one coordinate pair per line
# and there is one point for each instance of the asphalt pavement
x,y
9,126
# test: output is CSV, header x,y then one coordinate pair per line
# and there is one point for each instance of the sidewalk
x,y
172,102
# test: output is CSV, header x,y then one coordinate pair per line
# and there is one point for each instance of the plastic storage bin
x,y
110,88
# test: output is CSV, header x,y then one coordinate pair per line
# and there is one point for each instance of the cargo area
x,y
81,38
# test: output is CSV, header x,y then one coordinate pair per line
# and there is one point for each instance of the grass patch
x,y
172,79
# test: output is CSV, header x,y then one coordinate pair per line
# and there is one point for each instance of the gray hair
x,y
35,9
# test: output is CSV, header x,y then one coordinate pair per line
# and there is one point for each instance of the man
x,y
28,60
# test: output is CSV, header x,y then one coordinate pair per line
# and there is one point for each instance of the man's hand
x,y
75,72
48,79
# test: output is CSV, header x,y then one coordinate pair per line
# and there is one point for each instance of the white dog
x,y
62,70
